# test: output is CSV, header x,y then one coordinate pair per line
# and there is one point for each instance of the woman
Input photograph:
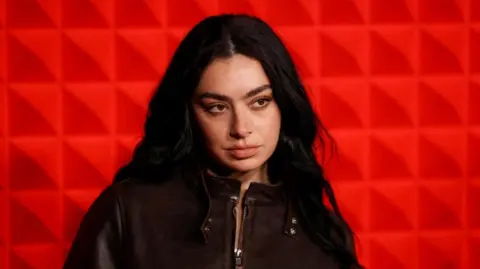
x,y
225,175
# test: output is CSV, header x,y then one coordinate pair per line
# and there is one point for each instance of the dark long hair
x,y
171,138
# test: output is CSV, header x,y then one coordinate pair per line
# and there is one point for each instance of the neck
x,y
259,175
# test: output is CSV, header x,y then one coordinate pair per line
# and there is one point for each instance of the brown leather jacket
x,y
178,224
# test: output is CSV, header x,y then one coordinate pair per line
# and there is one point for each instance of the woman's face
x,y
236,113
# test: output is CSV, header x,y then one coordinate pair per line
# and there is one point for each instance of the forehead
x,y
233,76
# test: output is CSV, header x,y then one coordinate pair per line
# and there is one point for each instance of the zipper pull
x,y
238,258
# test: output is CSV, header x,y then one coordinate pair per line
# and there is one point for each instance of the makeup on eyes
x,y
209,106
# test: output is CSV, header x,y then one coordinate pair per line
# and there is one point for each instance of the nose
x,y
241,125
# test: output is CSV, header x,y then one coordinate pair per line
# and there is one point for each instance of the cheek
x,y
271,128
213,131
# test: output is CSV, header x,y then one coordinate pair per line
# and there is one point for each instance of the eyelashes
x,y
220,108
216,109
263,102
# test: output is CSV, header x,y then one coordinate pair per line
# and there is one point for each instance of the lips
x,y
243,152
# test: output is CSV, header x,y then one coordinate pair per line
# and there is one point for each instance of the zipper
x,y
238,247
238,250
238,258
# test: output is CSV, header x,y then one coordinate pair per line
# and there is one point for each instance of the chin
x,y
244,165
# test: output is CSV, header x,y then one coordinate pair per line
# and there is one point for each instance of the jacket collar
x,y
260,193
257,193
216,187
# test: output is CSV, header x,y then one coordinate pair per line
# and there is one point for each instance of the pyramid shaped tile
x,y
352,203
3,54
132,102
88,110
36,256
392,52
348,164
87,56
442,51
39,105
66,250
473,200
442,251
473,101
361,246
441,206
87,163
124,149
343,53
3,256
3,108
395,205
344,105
442,103
475,11
17,263
75,205
173,39
393,252
342,11
250,7
393,104
3,164
441,155
392,156
474,252
73,217
179,16
473,154
326,152
391,12
33,56
290,12
87,13
33,164
32,13
303,48
140,56
475,49
139,13
3,216
2,13
35,218
441,11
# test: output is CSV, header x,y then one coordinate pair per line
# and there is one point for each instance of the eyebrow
x,y
222,97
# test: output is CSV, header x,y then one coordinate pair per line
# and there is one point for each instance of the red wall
x,y
396,81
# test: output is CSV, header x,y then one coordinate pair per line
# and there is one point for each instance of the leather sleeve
x,y
98,242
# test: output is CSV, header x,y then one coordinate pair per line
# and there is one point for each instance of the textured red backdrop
x,y
396,81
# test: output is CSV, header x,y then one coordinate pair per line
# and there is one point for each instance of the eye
x,y
262,102
216,109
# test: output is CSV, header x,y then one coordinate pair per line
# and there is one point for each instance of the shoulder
x,y
134,193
